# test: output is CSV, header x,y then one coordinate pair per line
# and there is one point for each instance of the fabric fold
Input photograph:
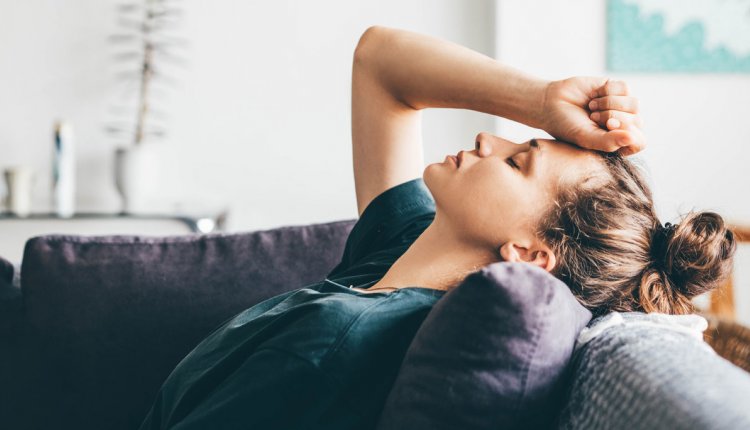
x,y
692,325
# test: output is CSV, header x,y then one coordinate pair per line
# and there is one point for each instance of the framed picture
x,y
701,36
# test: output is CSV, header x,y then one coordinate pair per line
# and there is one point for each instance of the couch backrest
x,y
105,319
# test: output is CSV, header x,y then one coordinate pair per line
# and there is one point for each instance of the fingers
x,y
630,141
611,88
601,140
628,150
620,131
621,103
613,119
616,112
626,142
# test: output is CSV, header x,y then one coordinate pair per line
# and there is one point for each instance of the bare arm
x,y
422,71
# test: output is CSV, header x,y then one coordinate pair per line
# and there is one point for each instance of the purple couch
x,y
98,323
102,321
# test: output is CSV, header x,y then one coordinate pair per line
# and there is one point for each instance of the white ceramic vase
x,y
137,176
20,183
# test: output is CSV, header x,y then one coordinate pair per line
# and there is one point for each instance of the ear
x,y
535,253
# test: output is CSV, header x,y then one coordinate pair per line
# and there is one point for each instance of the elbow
x,y
367,43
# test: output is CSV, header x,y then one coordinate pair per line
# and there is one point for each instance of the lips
x,y
460,157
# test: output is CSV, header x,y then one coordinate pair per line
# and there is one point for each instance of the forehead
x,y
568,162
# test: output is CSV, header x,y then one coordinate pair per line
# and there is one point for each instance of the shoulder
x,y
392,221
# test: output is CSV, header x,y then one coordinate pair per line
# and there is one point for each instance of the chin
x,y
435,183
430,176
427,174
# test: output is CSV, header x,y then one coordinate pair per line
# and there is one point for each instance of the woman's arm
x,y
386,133
422,71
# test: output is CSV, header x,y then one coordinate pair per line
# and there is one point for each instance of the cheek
x,y
480,193
489,183
495,200
483,198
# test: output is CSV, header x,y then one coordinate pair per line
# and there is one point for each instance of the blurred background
x,y
258,117
249,108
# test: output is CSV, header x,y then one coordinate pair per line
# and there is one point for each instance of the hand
x,y
593,113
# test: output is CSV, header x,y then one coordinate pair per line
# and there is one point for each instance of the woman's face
x,y
488,201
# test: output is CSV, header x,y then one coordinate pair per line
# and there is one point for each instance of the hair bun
x,y
660,243
698,253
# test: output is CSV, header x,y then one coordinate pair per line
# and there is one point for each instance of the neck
x,y
438,259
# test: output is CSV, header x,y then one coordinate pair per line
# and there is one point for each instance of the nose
x,y
487,144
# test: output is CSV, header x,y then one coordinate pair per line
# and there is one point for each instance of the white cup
x,y
19,181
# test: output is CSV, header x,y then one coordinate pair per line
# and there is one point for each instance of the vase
x,y
137,177
20,183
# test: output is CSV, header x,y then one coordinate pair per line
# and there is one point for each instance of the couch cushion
x,y
495,348
111,316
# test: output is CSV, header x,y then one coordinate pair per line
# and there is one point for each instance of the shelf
x,y
16,230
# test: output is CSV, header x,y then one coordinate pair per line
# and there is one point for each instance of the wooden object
x,y
729,339
722,300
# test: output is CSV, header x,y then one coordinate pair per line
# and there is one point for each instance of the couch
x,y
91,327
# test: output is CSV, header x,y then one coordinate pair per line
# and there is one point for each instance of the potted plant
x,y
145,45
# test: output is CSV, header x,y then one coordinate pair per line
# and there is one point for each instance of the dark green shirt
x,y
320,357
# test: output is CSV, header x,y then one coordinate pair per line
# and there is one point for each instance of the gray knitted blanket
x,y
653,371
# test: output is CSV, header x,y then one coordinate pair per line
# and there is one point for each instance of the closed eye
x,y
512,163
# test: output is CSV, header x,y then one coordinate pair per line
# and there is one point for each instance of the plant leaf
x,y
129,7
124,37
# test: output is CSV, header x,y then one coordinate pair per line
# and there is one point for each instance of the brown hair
x,y
615,255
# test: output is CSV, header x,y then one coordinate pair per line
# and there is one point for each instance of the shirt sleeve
x,y
396,217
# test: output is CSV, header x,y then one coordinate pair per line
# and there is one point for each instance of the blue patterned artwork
x,y
678,36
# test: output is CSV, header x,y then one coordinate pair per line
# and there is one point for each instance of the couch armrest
x,y
653,378
10,298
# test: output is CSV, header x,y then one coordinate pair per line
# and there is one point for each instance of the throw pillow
x,y
492,353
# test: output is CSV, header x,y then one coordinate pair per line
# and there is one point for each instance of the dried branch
x,y
147,36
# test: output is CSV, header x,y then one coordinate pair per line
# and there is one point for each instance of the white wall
x,y
260,121
698,143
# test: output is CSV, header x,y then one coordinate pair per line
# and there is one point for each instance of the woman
x,y
325,356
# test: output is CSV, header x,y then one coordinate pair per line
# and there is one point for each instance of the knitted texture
x,y
646,377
